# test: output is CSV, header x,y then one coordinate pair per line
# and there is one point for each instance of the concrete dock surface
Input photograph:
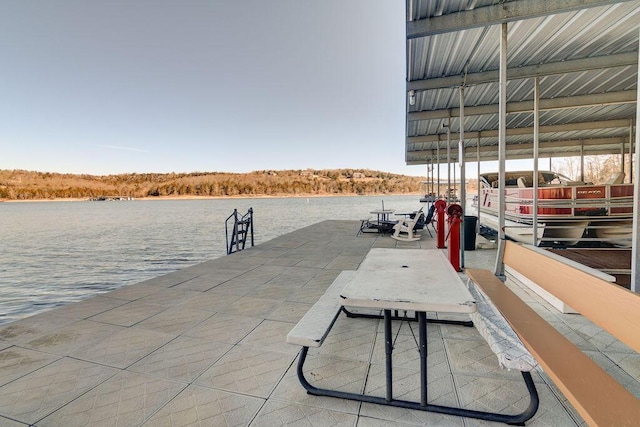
x,y
205,346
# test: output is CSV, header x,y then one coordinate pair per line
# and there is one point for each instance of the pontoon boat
x,y
569,211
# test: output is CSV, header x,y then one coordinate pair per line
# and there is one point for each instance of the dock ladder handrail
x,y
242,226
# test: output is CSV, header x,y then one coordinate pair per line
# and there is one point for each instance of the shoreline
x,y
253,196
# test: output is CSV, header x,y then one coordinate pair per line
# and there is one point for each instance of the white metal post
x,y
430,186
622,168
448,160
502,152
438,156
536,147
478,160
582,160
463,189
631,180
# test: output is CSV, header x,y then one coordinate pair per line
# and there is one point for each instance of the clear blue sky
x,y
107,87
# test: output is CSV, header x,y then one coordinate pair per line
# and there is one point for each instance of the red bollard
x,y
455,214
440,206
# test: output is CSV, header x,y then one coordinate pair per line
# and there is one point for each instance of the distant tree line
x,y
597,169
29,185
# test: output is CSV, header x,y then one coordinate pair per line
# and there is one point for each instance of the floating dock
x,y
207,345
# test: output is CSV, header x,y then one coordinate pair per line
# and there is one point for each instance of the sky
x,y
123,86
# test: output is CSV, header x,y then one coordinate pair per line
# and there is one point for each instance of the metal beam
x,y
492,133
529,71
491,156
570,147
591,100
568,144
497,14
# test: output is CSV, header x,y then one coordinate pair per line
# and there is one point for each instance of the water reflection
x,y
54,253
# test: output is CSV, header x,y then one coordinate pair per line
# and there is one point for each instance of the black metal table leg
x,y
422,335
388,349
515,419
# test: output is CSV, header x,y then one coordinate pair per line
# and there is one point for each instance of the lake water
x,y
54,253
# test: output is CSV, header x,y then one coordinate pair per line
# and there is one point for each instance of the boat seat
x,y
523,182
617,178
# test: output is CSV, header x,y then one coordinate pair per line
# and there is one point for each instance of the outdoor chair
x,y
428,220
406,229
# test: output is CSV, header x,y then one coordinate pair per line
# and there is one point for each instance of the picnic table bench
x,y
314,326
595,395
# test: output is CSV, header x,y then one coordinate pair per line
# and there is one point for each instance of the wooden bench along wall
x,y
597,397
558,304
612,307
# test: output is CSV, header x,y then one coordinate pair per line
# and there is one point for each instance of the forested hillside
x,y
27,185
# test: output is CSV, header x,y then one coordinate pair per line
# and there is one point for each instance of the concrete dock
x,y
205,346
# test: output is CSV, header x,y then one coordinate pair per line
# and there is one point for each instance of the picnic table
x,y
382,214
392,280
383,223
408,280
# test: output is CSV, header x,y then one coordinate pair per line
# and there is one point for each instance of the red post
x,y
440,207
455,214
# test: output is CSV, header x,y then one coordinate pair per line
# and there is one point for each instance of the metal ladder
x,y
242,228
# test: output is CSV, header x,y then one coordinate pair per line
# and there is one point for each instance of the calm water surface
x,y
54,253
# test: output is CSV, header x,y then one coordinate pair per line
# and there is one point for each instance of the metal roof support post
x,y
635,255
455,183
536,148
430,175
434,192
581,161
438,156
502,143
631,180
448,160
479,192
430,178
622,168
461,162
433,175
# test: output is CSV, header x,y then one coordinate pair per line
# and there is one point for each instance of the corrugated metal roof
x,y
584,53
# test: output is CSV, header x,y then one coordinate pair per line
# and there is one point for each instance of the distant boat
x,y
428,198
110,198
569,212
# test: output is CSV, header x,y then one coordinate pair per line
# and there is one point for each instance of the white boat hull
x,y
555,232
616,233
565,233
516,231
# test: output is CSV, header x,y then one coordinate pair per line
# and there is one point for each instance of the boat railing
x,y
552,207
604,219
578,207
